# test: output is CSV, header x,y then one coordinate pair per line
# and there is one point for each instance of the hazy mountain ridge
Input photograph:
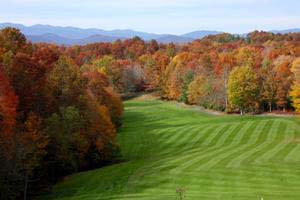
x,y
72,35
53,38
174,38
294,30
200,34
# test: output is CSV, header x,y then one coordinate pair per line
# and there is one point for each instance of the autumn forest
x,y
61,106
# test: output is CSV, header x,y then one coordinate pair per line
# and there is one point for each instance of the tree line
x,y
256,73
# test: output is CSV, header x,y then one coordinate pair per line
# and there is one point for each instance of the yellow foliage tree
x,y
295,92
243,88
198,90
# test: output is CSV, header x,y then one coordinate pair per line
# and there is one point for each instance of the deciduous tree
x,y
243,88
295,92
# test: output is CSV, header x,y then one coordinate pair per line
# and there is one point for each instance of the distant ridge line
x,y
70,35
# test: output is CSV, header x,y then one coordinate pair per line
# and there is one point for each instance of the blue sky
x,y
157,16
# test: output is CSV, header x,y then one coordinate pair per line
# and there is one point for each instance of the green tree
x,y
12,39
65,83
243,88
269,87
30,149
64,129
112,69
187,79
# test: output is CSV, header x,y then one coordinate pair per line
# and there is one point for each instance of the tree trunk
x,y
225,85
270,107
242,112
25,187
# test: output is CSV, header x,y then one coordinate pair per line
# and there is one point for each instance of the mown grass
x,y
209,157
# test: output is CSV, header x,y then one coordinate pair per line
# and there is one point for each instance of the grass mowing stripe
x,y
164,132
171,135
166,144
189,133
168,147
190,137
192,162
209,140
209,161
231,174
243,136
185,144
247,143
169,159
193,157
229,134
284,155
293,155
264,145
224,153
285,146
224,135
220,134
267,154
226,150
234,134
281,131
196,140
271,144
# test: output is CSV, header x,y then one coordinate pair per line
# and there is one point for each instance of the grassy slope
x,y
210,157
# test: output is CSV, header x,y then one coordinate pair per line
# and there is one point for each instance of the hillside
x,y
168,148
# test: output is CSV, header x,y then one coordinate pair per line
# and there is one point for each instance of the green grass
x,y
210,157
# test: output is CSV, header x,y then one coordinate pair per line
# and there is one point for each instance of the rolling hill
x,y
53,38
295,30
200,34
171,150
74,35
80,36
174,39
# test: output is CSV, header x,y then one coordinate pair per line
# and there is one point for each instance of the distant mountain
x,y
67,32
128,33
49,38
56,39
174,39
78,33
295,30
97,38
73,35
200,34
